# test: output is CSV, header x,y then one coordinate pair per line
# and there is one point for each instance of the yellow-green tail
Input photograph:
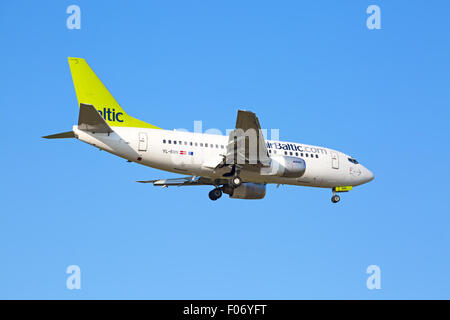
x,y
90,90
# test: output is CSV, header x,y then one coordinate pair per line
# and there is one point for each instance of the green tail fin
x,y
90,90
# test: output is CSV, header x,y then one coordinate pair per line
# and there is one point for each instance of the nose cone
x,y
368,175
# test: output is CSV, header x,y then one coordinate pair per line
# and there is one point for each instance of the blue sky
x,y
311,69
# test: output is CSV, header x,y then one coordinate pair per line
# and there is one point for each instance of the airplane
x,y
240,164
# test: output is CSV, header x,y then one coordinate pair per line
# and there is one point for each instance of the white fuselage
x,y
198,154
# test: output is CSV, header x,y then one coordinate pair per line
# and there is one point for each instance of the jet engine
x,y
247,190
285,166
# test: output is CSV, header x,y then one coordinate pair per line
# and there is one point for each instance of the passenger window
x,y
196,144
296,154
306,155
221,146
217,146
201,144
301,154
185,143
174,142
164,141
317,156
190,143
290,153
170,142
206,144
285,153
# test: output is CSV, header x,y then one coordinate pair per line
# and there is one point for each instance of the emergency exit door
x,y
143,141
334,160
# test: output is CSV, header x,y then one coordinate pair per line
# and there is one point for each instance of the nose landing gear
x,y
335,198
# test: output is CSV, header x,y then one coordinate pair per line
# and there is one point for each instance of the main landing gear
x,y
236,181
228,188
233,182
215,194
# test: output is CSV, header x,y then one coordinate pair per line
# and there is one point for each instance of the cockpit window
x,y
354,161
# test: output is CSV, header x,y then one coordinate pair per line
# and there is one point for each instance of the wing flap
x,y
182,181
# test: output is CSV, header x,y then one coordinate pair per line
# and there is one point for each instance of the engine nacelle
x,y
247,190
285,166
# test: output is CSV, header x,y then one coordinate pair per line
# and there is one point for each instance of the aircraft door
x,y
334,160
142,141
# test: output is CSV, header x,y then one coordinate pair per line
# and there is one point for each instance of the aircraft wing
x,y
246,144
182,181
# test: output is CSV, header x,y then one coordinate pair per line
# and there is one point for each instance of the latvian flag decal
x,y
183,152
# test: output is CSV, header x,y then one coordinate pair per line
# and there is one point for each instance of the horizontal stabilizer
x,y
63,135
90,120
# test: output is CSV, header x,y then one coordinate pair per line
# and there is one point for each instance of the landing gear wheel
x,y
236,181
215,194
335,198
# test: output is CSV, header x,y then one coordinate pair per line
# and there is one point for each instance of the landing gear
x,y
228,187
335,198
215,194
236,181
231,173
